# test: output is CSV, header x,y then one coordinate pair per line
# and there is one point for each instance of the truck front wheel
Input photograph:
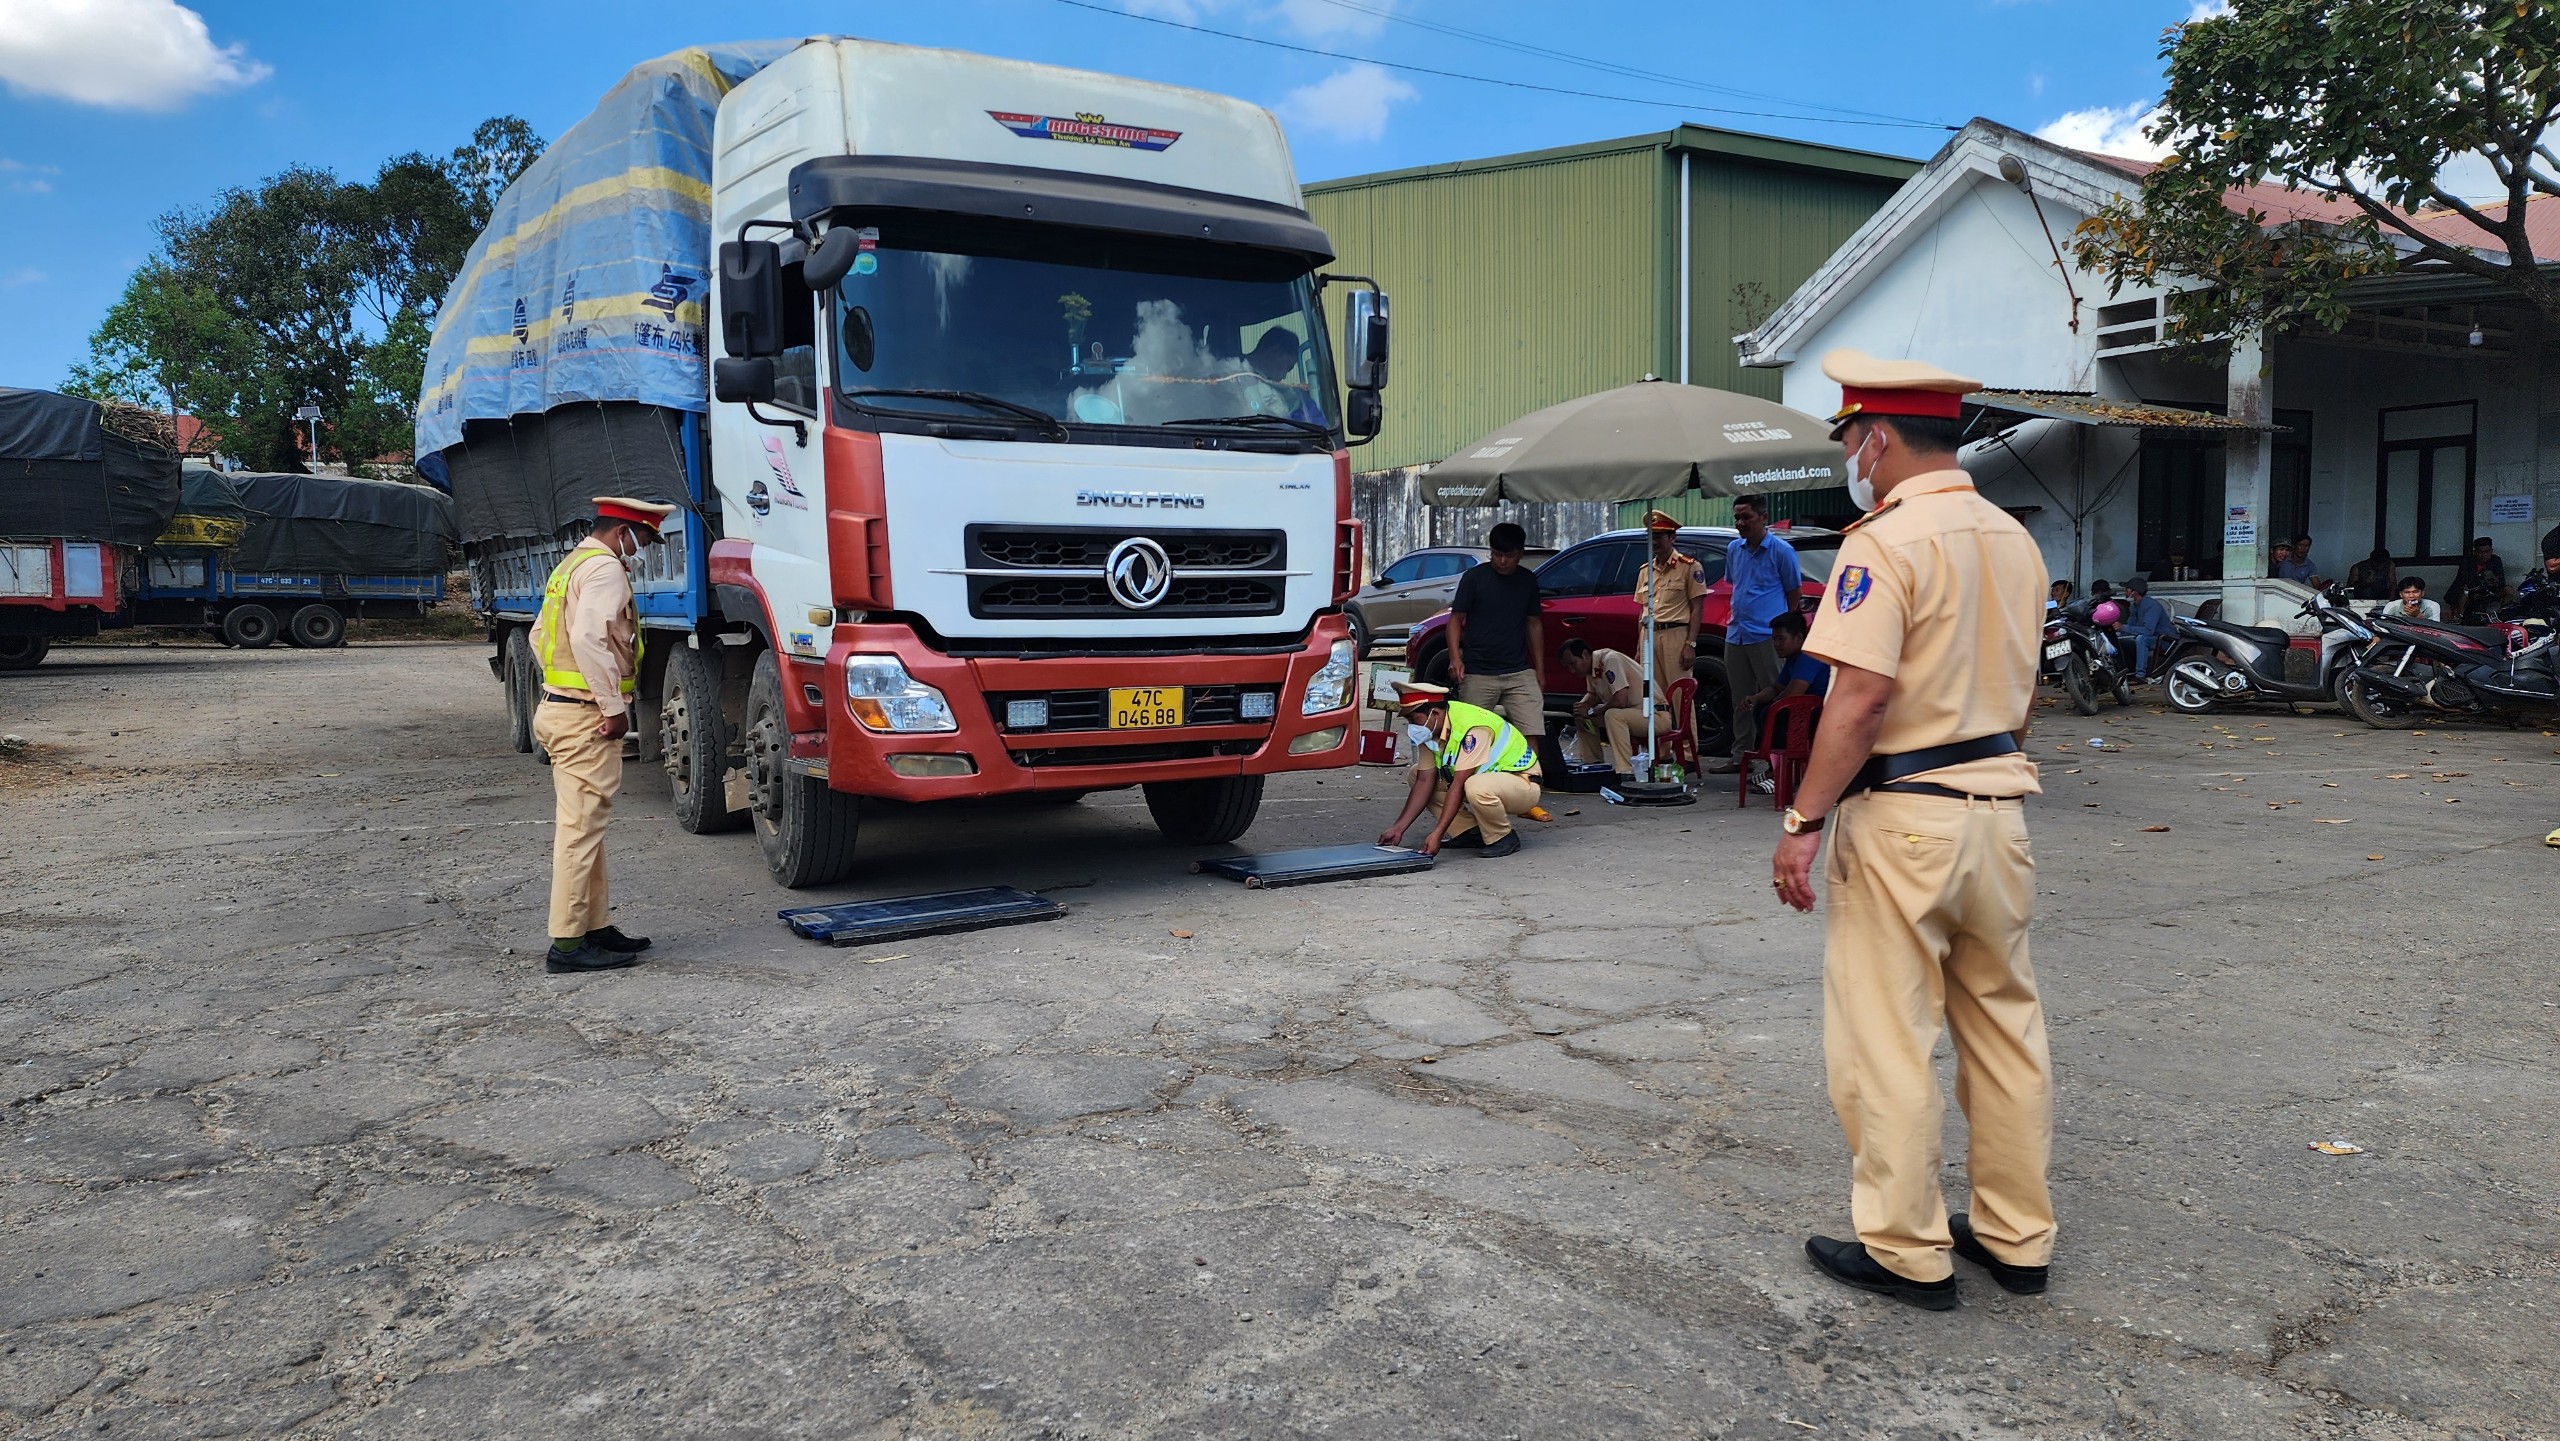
x,y
805,830
23,652
250,627
693,743
1204,813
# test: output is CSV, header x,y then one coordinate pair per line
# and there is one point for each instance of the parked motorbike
x,y
2213,663
2417,669
2080,655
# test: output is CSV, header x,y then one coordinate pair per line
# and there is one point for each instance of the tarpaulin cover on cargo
x,y
589,284
331,525
64,474
210,512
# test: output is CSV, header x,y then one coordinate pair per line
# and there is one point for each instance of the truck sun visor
x,y
1054,197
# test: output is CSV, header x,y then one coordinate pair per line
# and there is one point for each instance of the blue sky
x,y
114,111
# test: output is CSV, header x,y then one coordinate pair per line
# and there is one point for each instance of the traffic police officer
x,y
1476,767
1671,584
1931,624
586,640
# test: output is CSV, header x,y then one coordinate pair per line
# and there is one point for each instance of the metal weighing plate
x,y
1648,793
856,923
1317,863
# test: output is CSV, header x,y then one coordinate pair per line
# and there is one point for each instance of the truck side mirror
x,y
1364,330
1364,415
751,297
831,259
742,380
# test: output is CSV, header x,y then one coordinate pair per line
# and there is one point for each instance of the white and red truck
x,y
1019,465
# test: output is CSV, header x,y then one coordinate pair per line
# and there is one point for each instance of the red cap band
x,y
1941,404
629,516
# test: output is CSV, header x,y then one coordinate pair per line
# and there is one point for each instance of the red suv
x,y
1588,591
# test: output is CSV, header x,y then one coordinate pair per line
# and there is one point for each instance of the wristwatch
x,y
1798,824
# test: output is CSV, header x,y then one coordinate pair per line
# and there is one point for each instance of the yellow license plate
x,y
1146,707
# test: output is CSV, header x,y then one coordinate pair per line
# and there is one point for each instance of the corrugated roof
x,y
2082,408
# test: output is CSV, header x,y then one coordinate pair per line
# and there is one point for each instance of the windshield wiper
x,y
1293,422
978,398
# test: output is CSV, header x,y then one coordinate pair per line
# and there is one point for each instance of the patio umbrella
x,y
1637,442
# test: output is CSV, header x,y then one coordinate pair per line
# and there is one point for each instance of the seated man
x,y
2413,603
2145,625
1476,767
1610,707
1798,674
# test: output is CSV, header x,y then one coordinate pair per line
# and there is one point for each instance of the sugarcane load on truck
x,y
1008,444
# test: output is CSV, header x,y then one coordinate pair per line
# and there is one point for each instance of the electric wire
x,y
1682,105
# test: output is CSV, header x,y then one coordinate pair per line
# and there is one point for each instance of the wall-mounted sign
x,y
2511,510
2239,532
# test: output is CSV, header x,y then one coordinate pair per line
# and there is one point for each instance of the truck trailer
x,y
999,408
255,557
79,498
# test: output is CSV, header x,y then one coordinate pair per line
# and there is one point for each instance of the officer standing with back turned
x,y
586,640
1932,623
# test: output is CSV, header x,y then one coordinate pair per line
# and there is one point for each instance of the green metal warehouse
x,y
1524,280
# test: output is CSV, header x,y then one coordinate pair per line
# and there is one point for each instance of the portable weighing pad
x,y
1317,863
856,923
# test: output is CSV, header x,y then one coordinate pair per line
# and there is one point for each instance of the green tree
x,y
2368,103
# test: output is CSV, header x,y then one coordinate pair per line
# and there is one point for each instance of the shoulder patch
x,y
1852,587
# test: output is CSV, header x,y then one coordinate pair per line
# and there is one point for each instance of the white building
x,y
2423,423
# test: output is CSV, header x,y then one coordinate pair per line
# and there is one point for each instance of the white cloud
x,y
16,278
1350,104
2108,130
1314,19
30,179
122,54
2208,10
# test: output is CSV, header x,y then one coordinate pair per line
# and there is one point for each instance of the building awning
x,y
2082,408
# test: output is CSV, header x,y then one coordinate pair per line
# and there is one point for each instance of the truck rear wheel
x,y
523,694
316,627
23,652
1204,813
250,627
805,830
693,743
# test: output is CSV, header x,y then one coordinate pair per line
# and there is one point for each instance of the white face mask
x,y
1418,733
1862,487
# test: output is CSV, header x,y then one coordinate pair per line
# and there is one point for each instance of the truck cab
x,y
1031,456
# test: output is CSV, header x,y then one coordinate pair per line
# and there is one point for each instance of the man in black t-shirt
x,y
1495,639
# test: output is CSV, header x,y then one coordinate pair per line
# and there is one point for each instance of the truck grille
x,y
1084,710
1065,572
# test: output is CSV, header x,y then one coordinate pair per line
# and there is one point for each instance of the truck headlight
x,y
1330,687
885,698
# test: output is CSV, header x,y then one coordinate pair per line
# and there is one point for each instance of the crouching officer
x,y
587,642
1476,767
1932,623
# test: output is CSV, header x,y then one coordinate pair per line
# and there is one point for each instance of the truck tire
x,y
23,652
523,691
693,743
805,830
316,627
1204,813
250,627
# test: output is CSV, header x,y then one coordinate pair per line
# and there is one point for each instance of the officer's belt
x,y
1887,770
558,699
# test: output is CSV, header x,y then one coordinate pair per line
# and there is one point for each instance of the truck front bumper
x,y
986,756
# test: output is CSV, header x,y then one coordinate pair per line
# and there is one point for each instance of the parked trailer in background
x,y
77,501
255,557
1022,466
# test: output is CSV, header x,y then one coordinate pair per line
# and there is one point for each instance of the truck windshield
x,y
1085,328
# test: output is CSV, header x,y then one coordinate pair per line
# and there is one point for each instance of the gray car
x,y
1415,588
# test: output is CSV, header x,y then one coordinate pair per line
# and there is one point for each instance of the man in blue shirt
x,y
2145,624
1767,583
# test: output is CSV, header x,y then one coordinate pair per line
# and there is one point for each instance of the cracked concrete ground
x,y
294,1144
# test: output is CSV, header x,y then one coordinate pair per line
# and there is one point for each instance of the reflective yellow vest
x,y
1511,749
551,651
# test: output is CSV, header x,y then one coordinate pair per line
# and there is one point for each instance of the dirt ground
x,y
300,1140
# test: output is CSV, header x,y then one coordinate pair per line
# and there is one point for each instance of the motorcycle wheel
x,y
2382,712
2077,685
2193,687
2124,688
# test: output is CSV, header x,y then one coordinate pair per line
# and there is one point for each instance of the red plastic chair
x,y
1786,743
1680,743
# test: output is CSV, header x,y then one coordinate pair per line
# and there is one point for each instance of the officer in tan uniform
x,y
586,640
1931,622
1612,704
1671,584
1476,767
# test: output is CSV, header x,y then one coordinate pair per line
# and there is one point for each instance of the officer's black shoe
x,y
1507,846
583,956
1848,1263
611,938
1466,841
2016,1280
